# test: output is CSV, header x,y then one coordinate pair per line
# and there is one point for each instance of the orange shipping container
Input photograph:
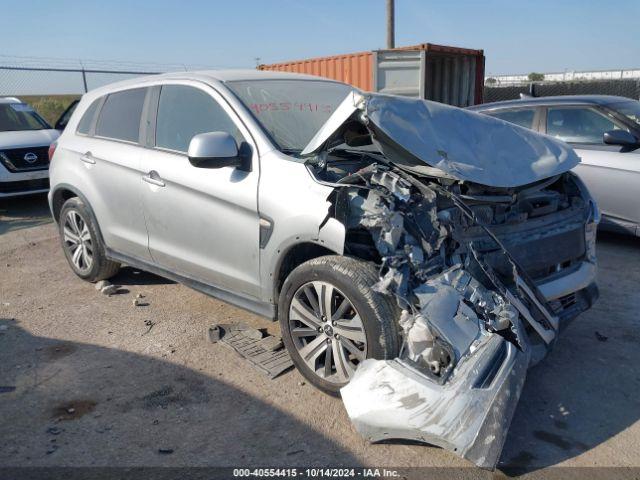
x,y
435,72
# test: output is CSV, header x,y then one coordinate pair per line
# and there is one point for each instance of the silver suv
x,y
383,233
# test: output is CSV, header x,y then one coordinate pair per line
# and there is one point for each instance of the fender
x,y
65,186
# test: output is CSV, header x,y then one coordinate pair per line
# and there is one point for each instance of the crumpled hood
x,y
465,145
28,138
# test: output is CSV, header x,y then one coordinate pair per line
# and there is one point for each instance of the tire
x,y
368,323
77,232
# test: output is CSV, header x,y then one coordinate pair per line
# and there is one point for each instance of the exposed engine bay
x,y
466,264
430,235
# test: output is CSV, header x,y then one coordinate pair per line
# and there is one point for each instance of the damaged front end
x,y
456,255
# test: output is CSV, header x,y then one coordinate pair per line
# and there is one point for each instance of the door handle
x,y
153,178
88,158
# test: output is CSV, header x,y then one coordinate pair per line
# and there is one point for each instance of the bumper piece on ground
x,y
469,415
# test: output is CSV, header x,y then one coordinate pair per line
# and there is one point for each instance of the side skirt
x,y
253,305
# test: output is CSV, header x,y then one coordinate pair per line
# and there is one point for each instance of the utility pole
x,y
391,35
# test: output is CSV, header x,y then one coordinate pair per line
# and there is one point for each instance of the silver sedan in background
x,y
605,133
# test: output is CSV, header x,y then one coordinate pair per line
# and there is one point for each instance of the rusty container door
x,y
434,72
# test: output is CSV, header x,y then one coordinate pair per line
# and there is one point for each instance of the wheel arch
x,y
295,255
64,192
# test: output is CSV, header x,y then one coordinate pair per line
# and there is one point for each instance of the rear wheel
x,y
81,243
331,320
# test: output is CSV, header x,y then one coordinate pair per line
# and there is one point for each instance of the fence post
x,y
84,80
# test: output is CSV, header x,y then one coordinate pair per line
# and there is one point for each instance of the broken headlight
x,y
593,220
590,240
593,217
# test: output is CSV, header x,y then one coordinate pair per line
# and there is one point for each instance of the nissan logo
x,y
30,157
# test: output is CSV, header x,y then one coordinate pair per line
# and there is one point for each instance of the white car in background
x,y
24,144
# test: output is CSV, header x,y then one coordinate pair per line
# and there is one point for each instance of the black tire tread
x,y
103,268
361,275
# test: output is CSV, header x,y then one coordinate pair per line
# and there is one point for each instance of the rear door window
x,y
120,115
579,125
184,112
522,117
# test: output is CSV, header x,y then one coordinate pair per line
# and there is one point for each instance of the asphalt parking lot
x,y
101,382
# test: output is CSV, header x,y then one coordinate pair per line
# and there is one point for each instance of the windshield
x,y
630,109
290,111
20,116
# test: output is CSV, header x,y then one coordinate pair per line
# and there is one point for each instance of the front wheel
x,y
331,320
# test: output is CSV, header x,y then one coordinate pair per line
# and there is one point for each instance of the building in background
x,y
566,76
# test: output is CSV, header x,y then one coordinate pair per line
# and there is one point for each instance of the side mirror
x,y
620,137
214,150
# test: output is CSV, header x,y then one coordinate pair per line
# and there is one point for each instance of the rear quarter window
x,y
84,126
120,115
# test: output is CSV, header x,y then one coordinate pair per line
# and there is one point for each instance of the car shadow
x,y
619,239
65,403
129,276
23,212
586,391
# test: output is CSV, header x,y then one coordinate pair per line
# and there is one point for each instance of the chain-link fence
x,y
50,85
50,90
16,81
623,88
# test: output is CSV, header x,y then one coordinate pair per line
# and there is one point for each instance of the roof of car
x,y
250,74
211,75
9,100
555,100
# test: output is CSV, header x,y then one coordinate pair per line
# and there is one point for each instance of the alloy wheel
x,y
77,241
327,331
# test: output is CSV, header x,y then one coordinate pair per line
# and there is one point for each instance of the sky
x,y
517,36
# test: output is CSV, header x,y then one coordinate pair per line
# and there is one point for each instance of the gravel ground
x,y
94,386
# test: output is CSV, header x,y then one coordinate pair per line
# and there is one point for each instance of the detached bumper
x,y
469,414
